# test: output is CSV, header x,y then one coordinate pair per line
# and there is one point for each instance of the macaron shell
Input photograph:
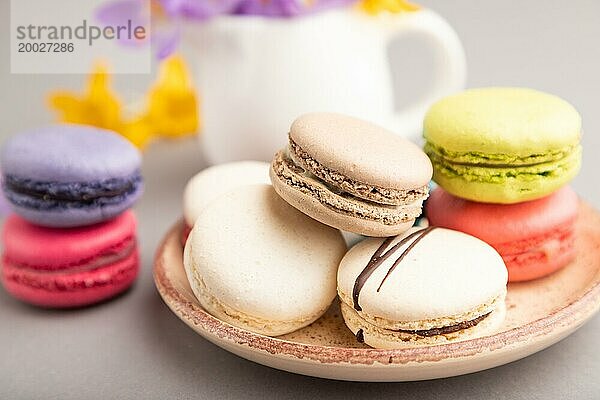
x,y
251,238
264,326
535,238
496,224
514,121
69,267
355,148
542,255
215,181
49,248
69,153
464,273
56,290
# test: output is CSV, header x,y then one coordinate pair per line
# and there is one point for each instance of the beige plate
x,y
539,314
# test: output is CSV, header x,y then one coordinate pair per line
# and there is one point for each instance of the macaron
x,y
70,175
428,286
503,145
4,206
215,181
257,263
535,238
352,175
71,267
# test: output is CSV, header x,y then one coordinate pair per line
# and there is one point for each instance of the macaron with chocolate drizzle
x,y
429,286
352,175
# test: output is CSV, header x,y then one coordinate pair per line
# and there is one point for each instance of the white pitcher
x,y
255,75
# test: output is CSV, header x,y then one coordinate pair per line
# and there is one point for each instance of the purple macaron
x,y
70,175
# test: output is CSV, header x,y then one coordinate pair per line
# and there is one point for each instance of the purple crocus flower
x,y
202,9
119,12
165,36
286,8
199,9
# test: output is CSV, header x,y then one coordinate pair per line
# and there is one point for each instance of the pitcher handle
x,y
450,63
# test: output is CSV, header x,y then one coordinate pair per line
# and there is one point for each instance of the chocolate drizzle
x,y
360,336
424,233
379,258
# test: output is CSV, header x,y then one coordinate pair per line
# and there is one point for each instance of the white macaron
x,y
256,262
427,286
214,181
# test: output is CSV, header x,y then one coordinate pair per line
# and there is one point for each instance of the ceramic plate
x,y
539,314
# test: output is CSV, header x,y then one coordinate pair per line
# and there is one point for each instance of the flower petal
x,y
120,12
287,8
199,9
165,41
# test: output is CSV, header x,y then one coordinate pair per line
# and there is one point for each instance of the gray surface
x,y
134,348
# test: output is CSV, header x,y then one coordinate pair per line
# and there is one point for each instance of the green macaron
x,y
503,145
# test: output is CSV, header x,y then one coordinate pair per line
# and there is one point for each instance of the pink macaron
x,y
535,238
62,268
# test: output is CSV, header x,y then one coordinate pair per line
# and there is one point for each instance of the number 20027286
x,y
45,47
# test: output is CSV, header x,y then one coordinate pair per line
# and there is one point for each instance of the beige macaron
x,y
257,263
352,175
428,286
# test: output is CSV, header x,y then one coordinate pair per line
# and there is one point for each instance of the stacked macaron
x,y
502,158
271,259
72,240
355,176
352,175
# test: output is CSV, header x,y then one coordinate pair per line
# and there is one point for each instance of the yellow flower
x,y
393,6
172,104
139,131
98,105
169,109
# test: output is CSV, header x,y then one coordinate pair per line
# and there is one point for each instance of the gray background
x,y
135,348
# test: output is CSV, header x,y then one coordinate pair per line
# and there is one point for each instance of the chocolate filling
x,y
64,196
341,202
447,329
362,190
